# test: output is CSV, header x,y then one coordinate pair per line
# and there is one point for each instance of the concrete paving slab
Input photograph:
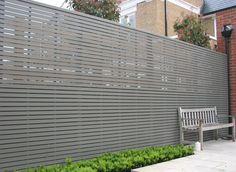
x,y
217,156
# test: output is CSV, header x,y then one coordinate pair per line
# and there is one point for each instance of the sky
x,y
57,3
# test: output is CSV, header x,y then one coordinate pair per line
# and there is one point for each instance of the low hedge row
x,y
122,161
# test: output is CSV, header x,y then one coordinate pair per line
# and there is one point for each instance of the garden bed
x,y
122,161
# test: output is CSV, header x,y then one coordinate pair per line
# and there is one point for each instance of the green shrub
x,y
122,161
107,9
191,29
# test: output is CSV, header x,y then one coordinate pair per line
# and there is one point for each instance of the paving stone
x,y
217,156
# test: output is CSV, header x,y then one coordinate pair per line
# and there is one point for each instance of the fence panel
x,y
73,85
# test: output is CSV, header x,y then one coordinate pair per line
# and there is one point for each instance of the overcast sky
x,y
57,3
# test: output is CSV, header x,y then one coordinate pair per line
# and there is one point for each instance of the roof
x,y
212,6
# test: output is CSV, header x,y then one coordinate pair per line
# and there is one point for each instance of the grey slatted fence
x,y
73,85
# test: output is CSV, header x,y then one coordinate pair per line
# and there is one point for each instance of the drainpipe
x,y
226,33
165,11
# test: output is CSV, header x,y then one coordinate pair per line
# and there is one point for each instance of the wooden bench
x,y
200,120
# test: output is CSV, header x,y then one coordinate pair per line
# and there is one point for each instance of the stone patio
x,y
217,156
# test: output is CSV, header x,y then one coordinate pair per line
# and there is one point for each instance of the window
x,y
132,20
124,21
128,20
210,24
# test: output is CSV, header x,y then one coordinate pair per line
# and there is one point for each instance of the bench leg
x,y
216,134
233,129
181,137
233,134
201,134
201,139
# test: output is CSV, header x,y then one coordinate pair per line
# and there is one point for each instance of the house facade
x,y
149,15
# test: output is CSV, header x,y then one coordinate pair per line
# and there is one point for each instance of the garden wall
x,y
76,86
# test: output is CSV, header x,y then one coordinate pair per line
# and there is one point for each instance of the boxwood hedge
x,y
122,161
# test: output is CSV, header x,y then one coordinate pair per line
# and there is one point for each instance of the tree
x,y
190,29
107,9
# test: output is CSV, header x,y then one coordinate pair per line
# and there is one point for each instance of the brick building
x,y
225,12
148,15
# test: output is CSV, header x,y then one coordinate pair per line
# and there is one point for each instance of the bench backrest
x,y
207,115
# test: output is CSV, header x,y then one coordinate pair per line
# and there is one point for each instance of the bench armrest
x,y
229,116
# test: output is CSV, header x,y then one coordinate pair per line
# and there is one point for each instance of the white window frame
x,y
128,18
215,29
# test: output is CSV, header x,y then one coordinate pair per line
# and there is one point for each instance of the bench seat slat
x,y
217,126
207,127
